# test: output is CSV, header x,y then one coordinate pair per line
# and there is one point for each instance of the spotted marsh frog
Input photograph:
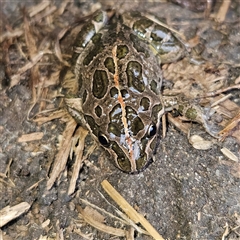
x,y
116,70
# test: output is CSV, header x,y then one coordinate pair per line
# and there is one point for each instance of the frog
x,y
117,76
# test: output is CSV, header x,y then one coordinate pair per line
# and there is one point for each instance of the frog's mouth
x,y
133,160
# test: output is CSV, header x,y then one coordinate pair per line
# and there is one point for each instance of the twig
x,y
8,213
129,210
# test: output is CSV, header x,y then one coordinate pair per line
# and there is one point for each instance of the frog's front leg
x,y
73,102
74,106
161,40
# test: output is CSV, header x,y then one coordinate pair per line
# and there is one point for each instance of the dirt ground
x,y
186,193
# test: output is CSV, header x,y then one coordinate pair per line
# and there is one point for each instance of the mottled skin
x,y
117,70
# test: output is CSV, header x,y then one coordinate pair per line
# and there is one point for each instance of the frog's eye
x,y
103,140
152,130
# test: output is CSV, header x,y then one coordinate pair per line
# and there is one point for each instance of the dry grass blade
x,y
57,46
131,223
62,156
16,78
90,218
31,137
35,185
217,92
221,15
38,8
9,35
4,179
231,127
7,171
102,210
124,219
45,14
57,114
6,175
32,51
80,136
179,124
9,213
129,210
226,232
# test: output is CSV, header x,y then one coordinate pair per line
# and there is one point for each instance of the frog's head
x,y
129,129
130,153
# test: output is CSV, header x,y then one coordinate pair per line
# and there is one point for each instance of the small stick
x,y
81,134
129,210
214,93
221,15
8,213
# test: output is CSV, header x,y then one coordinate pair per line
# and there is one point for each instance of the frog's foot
x,y
209,120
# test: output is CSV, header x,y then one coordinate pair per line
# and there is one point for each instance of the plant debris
x,y
36,46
